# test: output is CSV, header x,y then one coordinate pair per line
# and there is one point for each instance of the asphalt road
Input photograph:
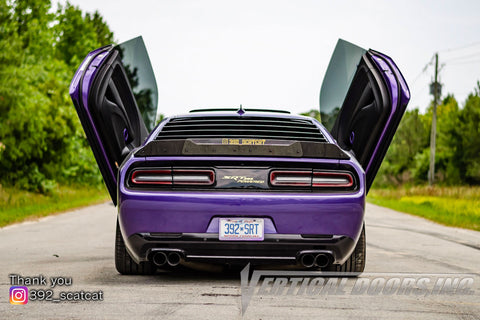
x,y
78,245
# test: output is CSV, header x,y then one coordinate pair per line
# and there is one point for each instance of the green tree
x,y
457,158
469,138
411,137
41,140
449,151
313,113
77,34
327,119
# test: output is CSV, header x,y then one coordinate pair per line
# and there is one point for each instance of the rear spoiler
x,y
293,149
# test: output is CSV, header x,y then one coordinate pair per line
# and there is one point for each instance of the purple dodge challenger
x,y
231,186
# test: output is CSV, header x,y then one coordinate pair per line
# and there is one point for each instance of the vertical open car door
x,y
115,95
362,101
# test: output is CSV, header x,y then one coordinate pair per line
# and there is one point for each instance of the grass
x,y
19,205
451,206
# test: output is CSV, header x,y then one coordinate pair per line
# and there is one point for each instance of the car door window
x,y
140,75
337,80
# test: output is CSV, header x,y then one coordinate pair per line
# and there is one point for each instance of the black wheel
x,y
124,263
356,262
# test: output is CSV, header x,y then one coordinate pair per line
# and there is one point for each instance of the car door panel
x,y
115,108
106,104
373,105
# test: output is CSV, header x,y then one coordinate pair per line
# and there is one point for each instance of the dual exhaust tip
x,y
172,258
308,260
321,259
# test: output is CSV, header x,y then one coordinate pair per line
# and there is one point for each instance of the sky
x,y
274,53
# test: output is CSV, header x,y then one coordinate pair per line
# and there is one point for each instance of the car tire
x,y
356,262
124,263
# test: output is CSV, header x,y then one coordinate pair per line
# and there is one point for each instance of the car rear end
x,y
237,187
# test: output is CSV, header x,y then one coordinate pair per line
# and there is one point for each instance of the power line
x,y
464,62
473,44
475,54
424,70
418,76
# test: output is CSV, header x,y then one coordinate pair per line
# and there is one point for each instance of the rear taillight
x,y
316,179
172,177
332,179
291,178
193,177
152,176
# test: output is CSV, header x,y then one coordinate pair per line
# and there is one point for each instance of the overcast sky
x,y
273,54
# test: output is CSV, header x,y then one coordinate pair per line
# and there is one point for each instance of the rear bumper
x,y
328,221
205,247
194,212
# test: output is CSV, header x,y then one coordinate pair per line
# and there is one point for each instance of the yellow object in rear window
x,y
250,142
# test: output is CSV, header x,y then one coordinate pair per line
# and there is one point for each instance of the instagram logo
x,y
18,295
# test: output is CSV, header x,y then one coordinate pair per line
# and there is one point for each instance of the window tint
x,y
336,82
142,80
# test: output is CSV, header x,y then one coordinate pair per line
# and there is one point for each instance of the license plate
x,y
240,229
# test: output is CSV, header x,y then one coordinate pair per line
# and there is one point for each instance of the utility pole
x,y
435,89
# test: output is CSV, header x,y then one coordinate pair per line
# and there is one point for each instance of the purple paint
x,y
189,211
88,69
392,84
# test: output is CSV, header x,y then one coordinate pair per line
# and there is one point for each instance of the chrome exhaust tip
x,y
322,260
160,259
174,259
307,260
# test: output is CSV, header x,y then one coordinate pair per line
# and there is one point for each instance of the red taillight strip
x,y
308,179
193,177
291,178
173,177
152,176
332,179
